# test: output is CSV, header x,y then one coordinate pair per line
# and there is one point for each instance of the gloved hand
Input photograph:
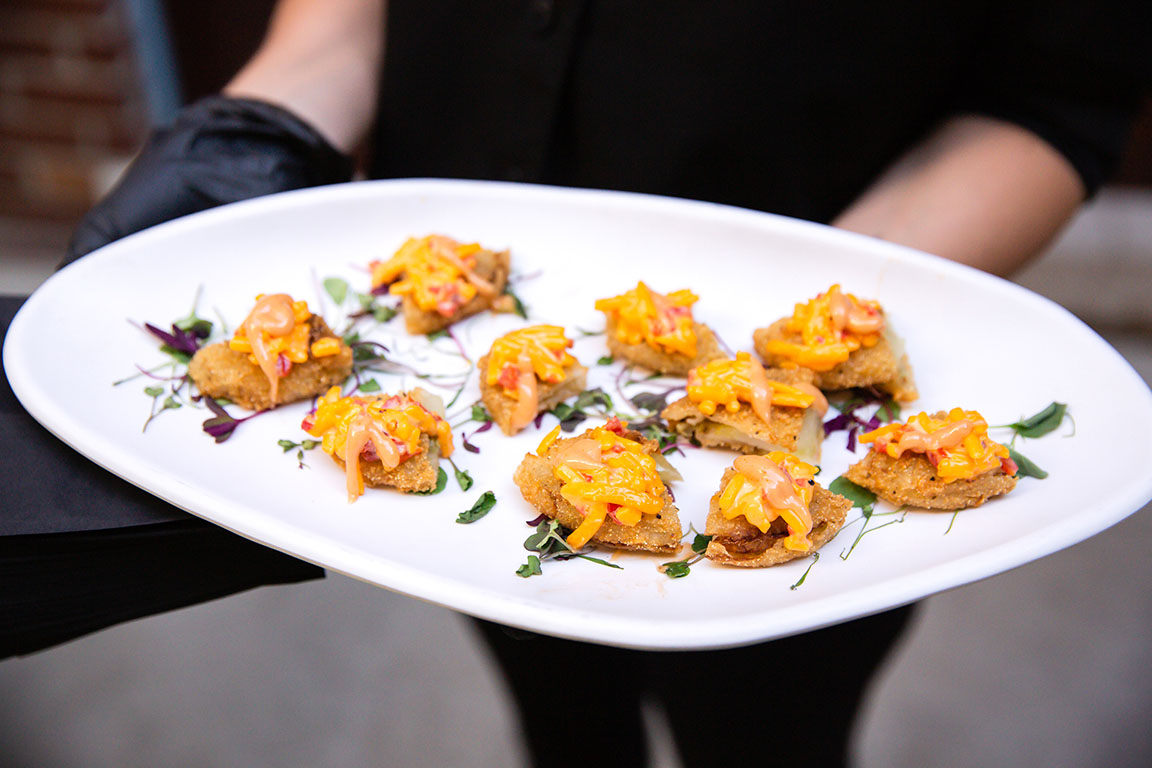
x,y
218,150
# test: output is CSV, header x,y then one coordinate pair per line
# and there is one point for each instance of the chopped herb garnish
x,y
606,360
337,288
1041,423
462,477
517,305
678,569
864,500
370,386
1025,467
815,558
549,544
482,506
441,483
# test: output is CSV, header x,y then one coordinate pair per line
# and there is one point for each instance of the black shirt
x,y
792,108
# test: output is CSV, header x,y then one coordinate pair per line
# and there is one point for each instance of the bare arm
x,y
321,61
979,191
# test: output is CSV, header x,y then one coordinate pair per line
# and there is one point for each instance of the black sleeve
x,y
1073,73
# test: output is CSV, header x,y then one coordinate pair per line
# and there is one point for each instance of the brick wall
x,y
71,113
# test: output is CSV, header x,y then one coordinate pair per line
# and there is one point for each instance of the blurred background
x,y
1045,665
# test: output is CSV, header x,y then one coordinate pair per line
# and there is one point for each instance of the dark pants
x,y
789,702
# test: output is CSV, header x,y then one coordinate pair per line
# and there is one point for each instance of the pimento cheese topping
x,y
436,271
605,475
831,327
728,382
520,358
275,335
956,443
765,488
661,321
384,429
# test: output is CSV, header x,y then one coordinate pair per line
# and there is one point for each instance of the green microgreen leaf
x,y
370,386
463,479
517,305
815,559
530,568
1041,423
676,570
651,402
700,543
337,288
480,413
606,360
861,497
154,391
171,403
482,506
1025,467
592,397
440,334
441,483
382,313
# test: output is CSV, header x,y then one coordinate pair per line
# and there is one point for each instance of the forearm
x,y
978,191
321,61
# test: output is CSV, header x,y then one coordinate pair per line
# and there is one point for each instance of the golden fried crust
x,y
492,266
221,372
416,473
541,488
883,365
500,406
674,364
738,542
794,430
912,480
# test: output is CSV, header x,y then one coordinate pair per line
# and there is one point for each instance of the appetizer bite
x,y
383,440
281,353
942,461
847,342
736,404
527,372
441,280
657,331
770,510
605,486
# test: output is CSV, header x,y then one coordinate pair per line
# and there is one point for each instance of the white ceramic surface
x,y
974,340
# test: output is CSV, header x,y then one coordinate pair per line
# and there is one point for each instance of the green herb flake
x,y
530,568
370,386
1025,467
482,507
337,288
440,334
441,484
287,445
815,558
382,313
606,360
154,391
1041,423
860,497
479,413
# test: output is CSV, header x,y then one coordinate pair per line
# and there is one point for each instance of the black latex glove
x,y
218,150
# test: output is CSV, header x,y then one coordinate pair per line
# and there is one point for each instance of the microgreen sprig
x,y
678,569
864,500
548,543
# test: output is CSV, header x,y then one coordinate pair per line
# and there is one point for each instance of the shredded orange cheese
x,y
384,429
605,476
831,327
436,271
661,321
546,347
730,382
765,488
957,445
275,335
